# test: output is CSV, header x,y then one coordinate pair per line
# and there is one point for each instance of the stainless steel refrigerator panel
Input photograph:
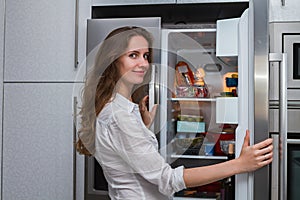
x,y
293,120
98,29
285,40
289,42
261,85
282,37
210,1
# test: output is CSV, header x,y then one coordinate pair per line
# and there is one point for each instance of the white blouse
x,y
128,153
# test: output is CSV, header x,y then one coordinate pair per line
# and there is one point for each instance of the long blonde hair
x,y
101,81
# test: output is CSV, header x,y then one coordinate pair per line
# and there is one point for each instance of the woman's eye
x,y
146,56
133,55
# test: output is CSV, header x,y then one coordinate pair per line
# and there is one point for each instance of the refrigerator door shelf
x,y
227,41
227,110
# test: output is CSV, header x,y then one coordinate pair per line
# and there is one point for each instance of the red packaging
x,y
217,137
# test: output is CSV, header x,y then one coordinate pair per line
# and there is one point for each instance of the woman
x,y
115,130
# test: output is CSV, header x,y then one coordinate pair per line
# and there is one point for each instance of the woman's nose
x,y
143,62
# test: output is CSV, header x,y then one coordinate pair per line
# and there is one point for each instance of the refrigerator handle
x,y
153,91
283,128
154,85
75,102
275,169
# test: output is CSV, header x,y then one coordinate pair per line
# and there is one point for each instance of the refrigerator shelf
x,y
199,157
192,198
194,99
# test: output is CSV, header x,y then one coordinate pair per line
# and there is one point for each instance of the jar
x,y
201,91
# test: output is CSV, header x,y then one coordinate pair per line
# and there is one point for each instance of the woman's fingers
x,y
266,150
143,103
263,144
153,110
256,156
246,139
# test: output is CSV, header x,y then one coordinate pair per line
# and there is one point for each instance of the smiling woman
x,y
106,76
115,130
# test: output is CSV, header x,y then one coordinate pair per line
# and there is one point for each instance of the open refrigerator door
x,y
199,102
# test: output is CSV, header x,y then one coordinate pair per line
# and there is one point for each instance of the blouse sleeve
x,y
134,143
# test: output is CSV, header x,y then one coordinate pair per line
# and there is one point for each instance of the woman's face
x,y
133,64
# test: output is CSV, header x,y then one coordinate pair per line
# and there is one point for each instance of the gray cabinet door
x,y
130,2
38,141
2,11
40,41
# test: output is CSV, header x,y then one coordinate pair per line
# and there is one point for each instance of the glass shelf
x,y
192,198
199,157
193,99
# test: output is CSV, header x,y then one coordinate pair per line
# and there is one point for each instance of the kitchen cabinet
x,y
38,141
40,41
130,2
2,9
40,72
284,10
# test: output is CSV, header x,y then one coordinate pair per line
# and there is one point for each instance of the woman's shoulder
x,y
112,111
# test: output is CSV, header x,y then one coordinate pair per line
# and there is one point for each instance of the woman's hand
x,y
255,156
147,116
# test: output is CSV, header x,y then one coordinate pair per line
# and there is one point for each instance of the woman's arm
x,y
251,158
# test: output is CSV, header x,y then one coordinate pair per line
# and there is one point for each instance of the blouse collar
x,y
125,103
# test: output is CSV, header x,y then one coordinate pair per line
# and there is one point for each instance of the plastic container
x,y
190,127
231,82
209,148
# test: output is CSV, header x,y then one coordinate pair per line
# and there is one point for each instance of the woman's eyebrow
x,y
137,51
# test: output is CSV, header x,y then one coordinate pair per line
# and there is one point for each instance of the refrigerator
x,y
196,123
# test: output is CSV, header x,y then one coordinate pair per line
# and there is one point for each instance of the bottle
x,y
199,83
230,181
228,189
231,154
185,76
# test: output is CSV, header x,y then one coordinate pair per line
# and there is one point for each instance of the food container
x,y
192,91
190,127
231,82
185,91
189,146
201,91
189,142
224,139
209,148
227,94
190,118
224,144
216,138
